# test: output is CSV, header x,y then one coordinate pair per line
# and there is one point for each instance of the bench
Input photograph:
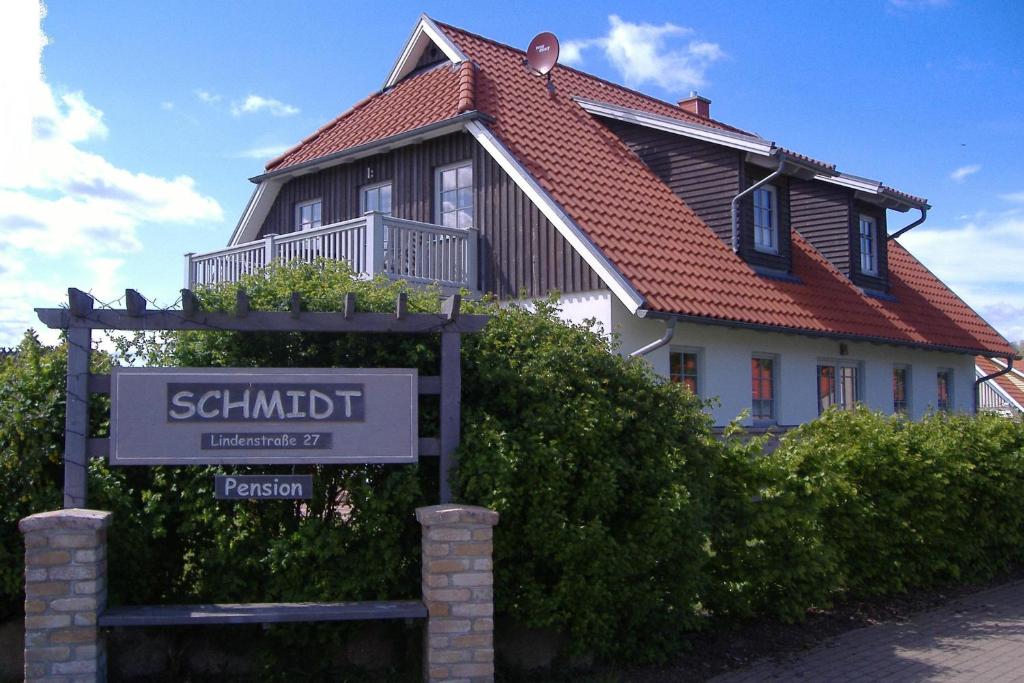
x,y
260,613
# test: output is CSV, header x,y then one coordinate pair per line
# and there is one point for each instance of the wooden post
x,y
269,248
471,276
189,275
374,243
451,400
76,421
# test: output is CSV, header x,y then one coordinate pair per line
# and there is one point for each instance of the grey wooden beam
x,y
262,321
295,305
98,447
100,384
429,447
189,303
401,303
134,302
350,305
451,401
76,418
241,303
80,303
450,307
430,384
261,613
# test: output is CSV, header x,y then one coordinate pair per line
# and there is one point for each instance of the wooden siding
x,y
880,283
821,213
704,175
782,261
520,250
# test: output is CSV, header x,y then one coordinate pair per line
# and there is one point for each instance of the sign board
x,y
262,486
214,416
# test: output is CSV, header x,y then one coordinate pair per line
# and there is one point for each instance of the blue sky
x,y
134,140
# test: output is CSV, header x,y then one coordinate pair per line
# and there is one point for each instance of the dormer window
x,y
766,219
868,245
307,215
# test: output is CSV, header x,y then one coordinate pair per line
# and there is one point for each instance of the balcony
x,y
372,244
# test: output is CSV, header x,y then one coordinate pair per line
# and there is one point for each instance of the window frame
x,y
299,206
372,187
699,370
439,190
773,419
838,394
950,393
872,236
898,367
772,248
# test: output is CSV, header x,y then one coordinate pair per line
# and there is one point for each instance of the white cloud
x,y
262,153
981,261
63,205
648,53
1016,197
960,174
207,96
256,103
167,106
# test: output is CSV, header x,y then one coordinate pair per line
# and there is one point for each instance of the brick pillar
x,y
458,582
65,591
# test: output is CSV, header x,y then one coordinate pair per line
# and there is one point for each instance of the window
x,y
944,400
376,198
838,385
683,368
766,219
762,374
868,246
455,195
900,385
307,215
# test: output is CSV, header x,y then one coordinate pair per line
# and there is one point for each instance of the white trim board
x,y
615,281
425,31
256,211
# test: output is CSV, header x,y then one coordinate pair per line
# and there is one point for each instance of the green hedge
x,y
624,523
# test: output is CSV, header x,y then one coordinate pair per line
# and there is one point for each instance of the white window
x,y
944,397
684,368
766,219
762,380
307,215
868,245
455,195
838,385
376,198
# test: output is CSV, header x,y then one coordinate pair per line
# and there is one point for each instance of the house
x,y
1001,388
756,275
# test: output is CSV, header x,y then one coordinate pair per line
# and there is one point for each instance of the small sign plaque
x,y
213,416
263,486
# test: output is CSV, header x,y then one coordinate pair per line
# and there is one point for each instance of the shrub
x,y
598,470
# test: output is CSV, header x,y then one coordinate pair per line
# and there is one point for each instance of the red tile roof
x,y
660,245
1012,382
422,99
652,237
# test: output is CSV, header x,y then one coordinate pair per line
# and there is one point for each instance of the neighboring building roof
x,y
656,242
1011,384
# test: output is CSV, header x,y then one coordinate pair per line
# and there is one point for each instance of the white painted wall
x,y
725,352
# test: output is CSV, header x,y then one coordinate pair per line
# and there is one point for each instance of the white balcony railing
x,y
371,244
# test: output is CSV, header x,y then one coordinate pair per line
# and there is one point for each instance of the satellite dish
x,y
542,55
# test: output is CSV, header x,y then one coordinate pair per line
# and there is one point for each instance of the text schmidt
x,y
265,402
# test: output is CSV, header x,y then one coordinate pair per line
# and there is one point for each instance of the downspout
x,y
735,201
670,329
919,221
978,382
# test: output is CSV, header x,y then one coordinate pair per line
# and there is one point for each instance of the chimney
x,y
695,104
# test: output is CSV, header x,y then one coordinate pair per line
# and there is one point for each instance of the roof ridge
x,y
613,84
467,87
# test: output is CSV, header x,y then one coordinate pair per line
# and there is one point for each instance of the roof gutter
x,y
670,330
919,221
406,137
978,382
733,210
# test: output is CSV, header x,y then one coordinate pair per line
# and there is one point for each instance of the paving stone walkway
x,y
978,637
